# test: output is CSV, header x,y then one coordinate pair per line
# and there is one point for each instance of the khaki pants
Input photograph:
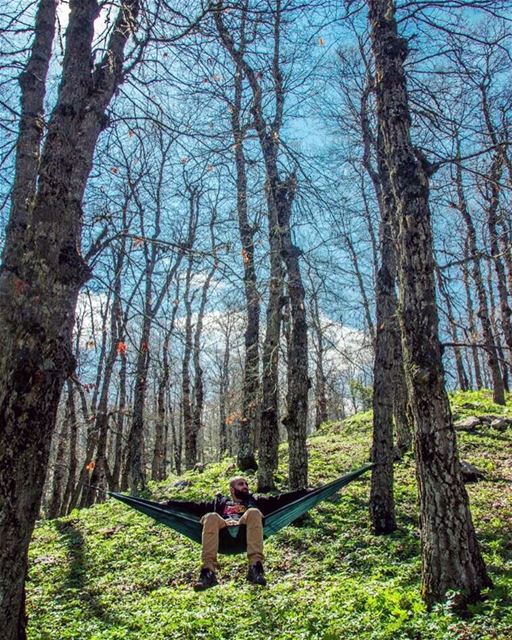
x,y
213,523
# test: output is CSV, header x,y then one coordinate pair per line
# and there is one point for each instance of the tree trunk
x,y
59,466
197,412
498,390
362,288
177,441
452,329
492,225
502,363
450,552
41,277
280,194
103,347
269,426
72,455
100,473
382,505
390,398
473,332
299,383
117,471
223,400
186,398
248,424
158,465
321,413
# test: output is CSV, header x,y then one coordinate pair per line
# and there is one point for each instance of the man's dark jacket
x,y
266,504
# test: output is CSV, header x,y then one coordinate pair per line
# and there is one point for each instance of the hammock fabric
x,y
233,539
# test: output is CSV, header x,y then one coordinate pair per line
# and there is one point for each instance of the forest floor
x,y
110,573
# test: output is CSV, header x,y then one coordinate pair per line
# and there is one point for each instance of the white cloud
x,y
100,25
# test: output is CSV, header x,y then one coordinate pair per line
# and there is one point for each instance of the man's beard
x,y
240,495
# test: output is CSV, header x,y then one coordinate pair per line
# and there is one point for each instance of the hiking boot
x,y
206,580
256,574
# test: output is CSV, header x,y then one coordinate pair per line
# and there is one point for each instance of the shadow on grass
x,y
493,435
77,579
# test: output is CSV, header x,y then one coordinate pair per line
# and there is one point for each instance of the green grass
x,y
110,573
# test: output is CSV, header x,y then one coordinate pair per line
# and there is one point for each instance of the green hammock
x,y
233,539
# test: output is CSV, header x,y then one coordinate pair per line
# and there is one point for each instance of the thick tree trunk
x,y
39,283
391,383
450,552
390,393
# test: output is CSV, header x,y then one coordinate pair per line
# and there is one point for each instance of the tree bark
x,y
450,553
492,224
298,375
321,413
452,328
498,390
101,473
223,400
387,383
382,505
186,397
117,472
40,279
159,463
269,420
248,424
72,452
135,456
59,466
280,192
197,411
473,332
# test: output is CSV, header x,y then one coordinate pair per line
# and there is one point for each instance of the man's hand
x,y
232,523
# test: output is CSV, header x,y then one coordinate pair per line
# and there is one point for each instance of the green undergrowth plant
x,y
110,573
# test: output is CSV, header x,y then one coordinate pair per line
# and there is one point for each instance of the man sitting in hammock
x,y
240,508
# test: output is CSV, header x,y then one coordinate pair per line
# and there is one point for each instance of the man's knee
x,y
253,514
211,519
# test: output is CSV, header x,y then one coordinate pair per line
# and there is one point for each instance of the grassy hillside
x,y
109,573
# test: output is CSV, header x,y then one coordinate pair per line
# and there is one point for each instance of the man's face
x,y
240,489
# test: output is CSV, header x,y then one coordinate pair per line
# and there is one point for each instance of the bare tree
x,y
451,555
280,193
